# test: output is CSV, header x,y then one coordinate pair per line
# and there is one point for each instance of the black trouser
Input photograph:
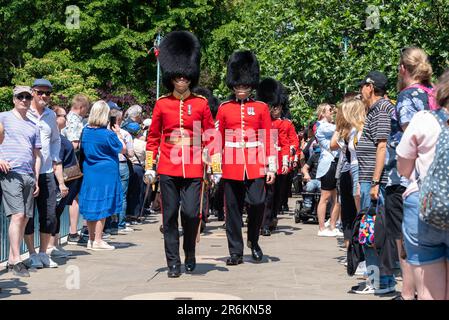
x,y
176,191
217,200
275,196
74,188
393,210
288,188
46,206
236,194
136,191
348,208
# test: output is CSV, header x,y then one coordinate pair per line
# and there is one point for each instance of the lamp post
x,y
156,52
345,50
155,49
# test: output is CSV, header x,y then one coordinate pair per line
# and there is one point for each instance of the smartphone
x,y
112,121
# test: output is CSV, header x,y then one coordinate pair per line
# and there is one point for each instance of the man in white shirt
x,y
45,119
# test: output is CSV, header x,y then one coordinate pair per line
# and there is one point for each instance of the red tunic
x,y
176,133
245,131
281,142
293,141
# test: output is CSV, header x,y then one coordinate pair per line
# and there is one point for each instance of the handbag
x,y
372,226
72,172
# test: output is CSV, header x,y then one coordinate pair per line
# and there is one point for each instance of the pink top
x,y
418,143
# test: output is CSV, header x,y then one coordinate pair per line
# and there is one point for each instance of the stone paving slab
x,y
297,265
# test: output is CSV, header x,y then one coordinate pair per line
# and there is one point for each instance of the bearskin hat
x,y
242,69
270,92
179,55
211,99
285,102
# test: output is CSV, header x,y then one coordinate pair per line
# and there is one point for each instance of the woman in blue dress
x,y
101,190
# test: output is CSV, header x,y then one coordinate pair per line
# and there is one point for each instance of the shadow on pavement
x,y
10,286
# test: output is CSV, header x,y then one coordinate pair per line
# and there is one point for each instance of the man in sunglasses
x,y
45,119
19,169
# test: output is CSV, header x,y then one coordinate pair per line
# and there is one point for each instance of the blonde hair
x,y
99,114
350,114
416,62
442,90
79,100
343,127
321,108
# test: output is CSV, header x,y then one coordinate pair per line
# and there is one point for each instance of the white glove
x,y
149,177
216,177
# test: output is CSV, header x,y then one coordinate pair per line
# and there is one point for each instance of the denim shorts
x,y
423,243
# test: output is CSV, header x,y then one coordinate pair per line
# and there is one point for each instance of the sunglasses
x,y
24,96
62,115
40,93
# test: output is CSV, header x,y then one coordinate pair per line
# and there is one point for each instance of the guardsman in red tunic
x,y
248,161
177,135
295,152
272,93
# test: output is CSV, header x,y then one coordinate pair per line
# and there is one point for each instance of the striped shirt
x,y
377,127
21,138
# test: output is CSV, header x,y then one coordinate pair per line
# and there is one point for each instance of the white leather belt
x,y
251,144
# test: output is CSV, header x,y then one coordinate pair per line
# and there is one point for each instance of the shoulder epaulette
x,y
164,96
199,96
225,102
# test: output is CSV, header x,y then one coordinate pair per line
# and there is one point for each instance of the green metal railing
x,y
4,225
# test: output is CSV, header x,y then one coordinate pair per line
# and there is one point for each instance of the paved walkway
x,y
298,265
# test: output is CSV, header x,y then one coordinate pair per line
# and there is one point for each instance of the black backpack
x,y
355,253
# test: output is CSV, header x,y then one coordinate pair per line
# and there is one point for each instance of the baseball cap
x,y
20,89
42,83
133,128
377,79
113,105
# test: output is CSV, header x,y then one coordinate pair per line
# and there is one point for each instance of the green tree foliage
x,y
318,49
302,43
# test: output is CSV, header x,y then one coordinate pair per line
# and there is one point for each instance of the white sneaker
x,y
365,289
46,260
337,232
326,233
35,262
101,246
89,245
125,230
327,223
56,252
361,269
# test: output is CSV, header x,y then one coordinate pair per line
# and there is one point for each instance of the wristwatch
x,y
375,183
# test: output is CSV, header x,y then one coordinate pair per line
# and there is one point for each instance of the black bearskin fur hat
x,y
243,69
179,55
270,92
